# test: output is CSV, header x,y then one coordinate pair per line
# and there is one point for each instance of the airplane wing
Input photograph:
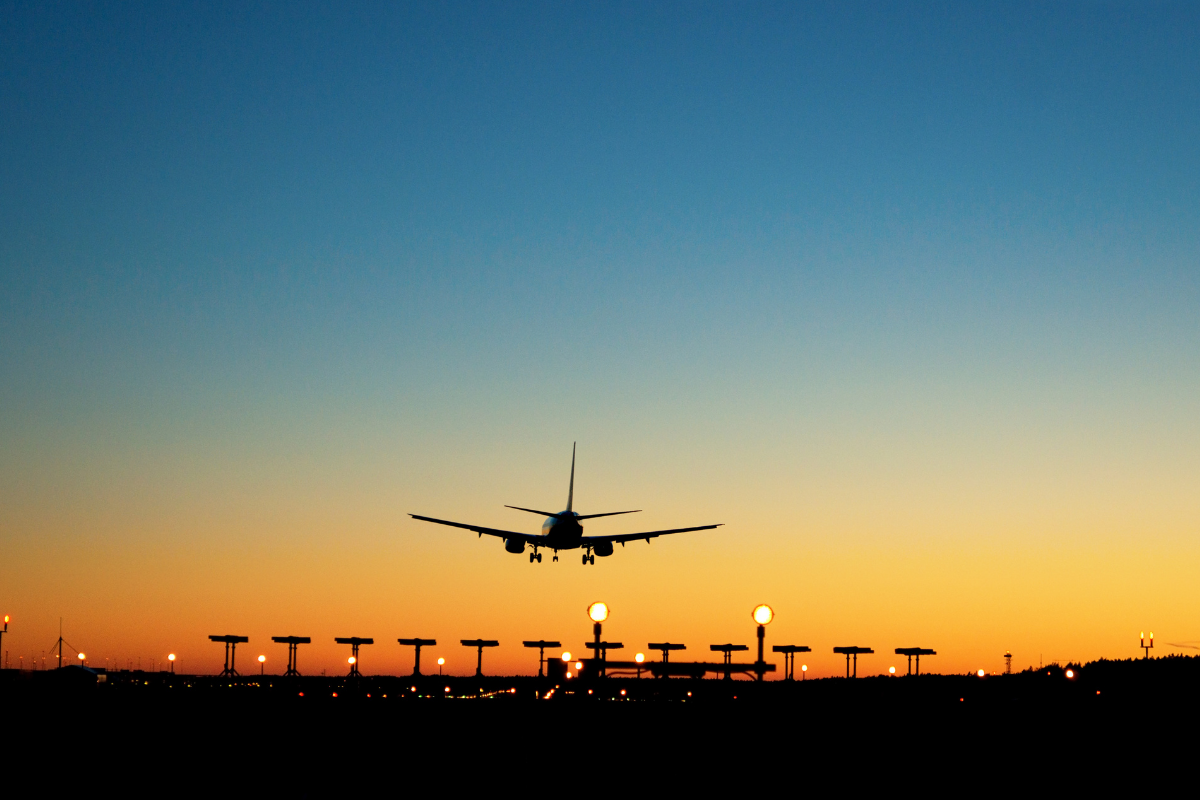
x,y
647,535
506,535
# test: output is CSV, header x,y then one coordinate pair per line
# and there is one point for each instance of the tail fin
x,y
571,491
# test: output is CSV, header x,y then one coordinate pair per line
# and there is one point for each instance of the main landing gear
x,y
535,557
589,560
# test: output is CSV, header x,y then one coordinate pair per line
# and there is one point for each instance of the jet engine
x,y
515,545
603,549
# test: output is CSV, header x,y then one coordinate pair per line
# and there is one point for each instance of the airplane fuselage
x,y
562,532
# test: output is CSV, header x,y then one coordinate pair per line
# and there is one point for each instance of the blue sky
x,y
872,248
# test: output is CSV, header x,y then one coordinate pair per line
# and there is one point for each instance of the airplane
x,y
562,531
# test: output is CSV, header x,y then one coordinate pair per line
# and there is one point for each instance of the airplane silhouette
x,y
562,531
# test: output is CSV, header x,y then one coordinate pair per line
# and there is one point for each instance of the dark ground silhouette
x,y
1098,728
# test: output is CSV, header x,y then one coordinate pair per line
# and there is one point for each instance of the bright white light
x,y
892,670
981,673
804,667
569,675
351,660
598,612
1070,673
566,656
578,665
171,657
640,657
261,659
441,661
763,614
81,656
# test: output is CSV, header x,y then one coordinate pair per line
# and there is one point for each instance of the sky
x,y
904,294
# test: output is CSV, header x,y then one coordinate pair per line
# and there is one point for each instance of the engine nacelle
x,y
603,549
514,545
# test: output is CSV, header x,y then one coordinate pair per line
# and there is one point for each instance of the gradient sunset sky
x,y
905,294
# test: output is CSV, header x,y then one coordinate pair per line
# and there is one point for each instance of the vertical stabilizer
x,y
571,491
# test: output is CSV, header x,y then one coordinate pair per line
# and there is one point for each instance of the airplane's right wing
x,y
505,535
647,535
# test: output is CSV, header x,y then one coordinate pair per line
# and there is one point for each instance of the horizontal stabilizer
x,y
534,511
607,514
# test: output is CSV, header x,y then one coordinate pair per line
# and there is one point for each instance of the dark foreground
x,y
308,736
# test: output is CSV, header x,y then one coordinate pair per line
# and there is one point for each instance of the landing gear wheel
x,y
539,555
555,557
532,557
585,561
592,560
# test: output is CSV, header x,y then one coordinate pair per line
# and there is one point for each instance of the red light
x,y
335,694
302,694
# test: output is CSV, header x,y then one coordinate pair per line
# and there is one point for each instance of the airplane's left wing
x,y
505,535
647,535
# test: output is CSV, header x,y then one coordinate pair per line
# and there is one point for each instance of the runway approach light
x,y
171,657
566,656
81,658
441,661
980,673
350,660
763,614
1070,673
598,612
891,670
640,657
262,659
578,665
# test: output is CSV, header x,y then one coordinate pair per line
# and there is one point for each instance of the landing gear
x,y
555,557
589,560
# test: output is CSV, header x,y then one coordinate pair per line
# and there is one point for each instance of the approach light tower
x,y
727,651
852,651
231,642
480,644
665,648
293,643
1147,647
354,642
789,658
917,652
541,645
1008,662
418,644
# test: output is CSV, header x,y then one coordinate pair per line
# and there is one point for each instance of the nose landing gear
x,y
589,559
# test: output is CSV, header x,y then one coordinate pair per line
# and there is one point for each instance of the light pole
x,y
81,658
763,616
803,671
171,658
441,663
598,612
639,658
1144,646
262,665
2,632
